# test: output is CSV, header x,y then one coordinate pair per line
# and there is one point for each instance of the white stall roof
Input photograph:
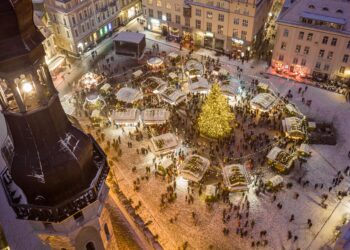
x,y
263,101
272,155
292,124
200,86
137,73
276,180
235,177
173,96
164,143
129,95
126,116
194,167
105,87
95,113
155,116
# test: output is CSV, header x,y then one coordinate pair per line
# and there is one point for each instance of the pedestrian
x,y
291,218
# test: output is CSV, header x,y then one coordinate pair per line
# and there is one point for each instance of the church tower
x,y
55,174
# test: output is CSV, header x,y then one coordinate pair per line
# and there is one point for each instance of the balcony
x,y
66,209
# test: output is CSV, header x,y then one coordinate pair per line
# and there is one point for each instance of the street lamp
x,y
27,87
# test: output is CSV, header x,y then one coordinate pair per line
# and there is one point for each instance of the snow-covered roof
x,y
263,85
137,73
173,55
172,75
229,89
235,177
129,95
127,116
194,68
3,129
105,87
272,155
155,116
56,61
194,167
305,148
223,72
200,86
129,37
165,143
155,61
293,126
95,113
156,84
173,96
276,180
263,101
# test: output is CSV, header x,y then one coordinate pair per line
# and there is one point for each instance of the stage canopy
x,y
130,44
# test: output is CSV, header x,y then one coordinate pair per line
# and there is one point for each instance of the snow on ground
x,y
207,229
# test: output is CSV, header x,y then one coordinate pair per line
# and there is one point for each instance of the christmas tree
x,y
216,116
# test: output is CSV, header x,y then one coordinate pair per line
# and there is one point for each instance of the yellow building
x,y
222,25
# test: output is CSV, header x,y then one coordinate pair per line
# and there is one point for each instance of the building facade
x,y
52,173
222,25
313,39
79,25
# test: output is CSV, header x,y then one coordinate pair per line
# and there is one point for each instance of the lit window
x,y
309,37
297,49
209,15
168,6
306,50
245,23
159,3
283,45
321,53
330,55
342,70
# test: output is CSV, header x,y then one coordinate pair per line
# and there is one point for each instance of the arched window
x,y
339,11
325,9
108,235
90,246
311,6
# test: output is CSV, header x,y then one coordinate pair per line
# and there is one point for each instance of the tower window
x,y
108,235
90,246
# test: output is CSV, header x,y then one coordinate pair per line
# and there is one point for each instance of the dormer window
x,y
311,6
339,11
325,9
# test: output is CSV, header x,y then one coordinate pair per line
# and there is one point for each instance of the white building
x,y
313,38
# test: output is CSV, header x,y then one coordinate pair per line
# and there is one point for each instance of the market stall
x,y
153,85
275,183
155,116
263,87
93,100
126,117
173,96
173,55
106,88
194,168
294,128
155,64
164,144
194,68
293,110
137,73
90,80
304,150
281,160
199,85
235,177
129,95
263,102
